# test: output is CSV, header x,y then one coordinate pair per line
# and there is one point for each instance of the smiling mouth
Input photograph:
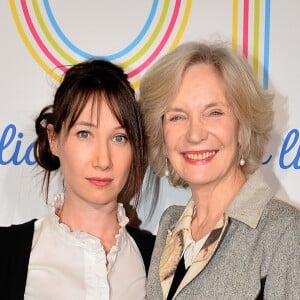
x,y
200,156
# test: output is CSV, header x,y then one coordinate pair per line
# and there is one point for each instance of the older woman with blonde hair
x,y
208,121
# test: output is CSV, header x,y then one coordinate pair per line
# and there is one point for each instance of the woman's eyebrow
x,y
89,124
174,109
208,105
85,123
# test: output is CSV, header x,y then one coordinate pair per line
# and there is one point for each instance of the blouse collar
x,y
85,240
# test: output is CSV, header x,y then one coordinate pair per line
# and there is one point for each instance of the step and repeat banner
x,y
42,38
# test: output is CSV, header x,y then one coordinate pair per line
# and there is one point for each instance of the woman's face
x,y
200,130
95,156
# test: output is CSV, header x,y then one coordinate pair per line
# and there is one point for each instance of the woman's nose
x,y
196,131
102,156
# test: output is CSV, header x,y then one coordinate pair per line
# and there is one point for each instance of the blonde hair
x,y
251,104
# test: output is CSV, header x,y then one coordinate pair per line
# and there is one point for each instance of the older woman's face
x,y
200,130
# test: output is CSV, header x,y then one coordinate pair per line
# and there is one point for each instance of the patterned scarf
x,y
174,247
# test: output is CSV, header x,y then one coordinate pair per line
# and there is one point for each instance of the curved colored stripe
x,y
28,44
235,20
246,28
176,41
50,38
182,26
161,44
256,36
37,38
110,56
152,38
48,35
267,44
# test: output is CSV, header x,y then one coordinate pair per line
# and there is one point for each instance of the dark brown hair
x,y
96,79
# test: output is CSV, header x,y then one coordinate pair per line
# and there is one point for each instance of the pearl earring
x,y
242,161
167,172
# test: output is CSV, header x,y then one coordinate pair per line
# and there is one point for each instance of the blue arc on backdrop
x,y
113,56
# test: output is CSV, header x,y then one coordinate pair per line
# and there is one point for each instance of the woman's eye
x,y
83,134
120,138
176,118
216,113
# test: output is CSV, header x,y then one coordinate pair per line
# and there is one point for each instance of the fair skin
x,y
95,157
201,137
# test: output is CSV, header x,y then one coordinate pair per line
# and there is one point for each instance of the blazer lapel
x,y
205,253
173,249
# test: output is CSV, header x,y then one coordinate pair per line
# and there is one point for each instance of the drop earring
x,y
242,161
167,172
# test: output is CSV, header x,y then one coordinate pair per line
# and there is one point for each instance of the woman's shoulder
x,y
15,250
18,228
17,235
281,216
168,219
144,239
279,209
145,242
172,213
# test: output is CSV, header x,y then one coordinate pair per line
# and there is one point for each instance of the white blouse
x,y
192,248
67,265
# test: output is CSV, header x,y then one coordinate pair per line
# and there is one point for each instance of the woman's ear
x,y
52,138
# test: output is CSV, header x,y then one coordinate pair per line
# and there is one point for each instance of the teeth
x,y
199,156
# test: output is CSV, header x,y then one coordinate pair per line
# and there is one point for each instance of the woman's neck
x,y
99,221
211,202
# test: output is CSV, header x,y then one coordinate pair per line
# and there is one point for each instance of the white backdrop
x,y
40,37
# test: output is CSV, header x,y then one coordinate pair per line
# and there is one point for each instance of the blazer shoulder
x,y
280,212
18,229
15,251
171,215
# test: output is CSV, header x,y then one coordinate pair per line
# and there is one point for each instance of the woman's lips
x,y
101,182
197,157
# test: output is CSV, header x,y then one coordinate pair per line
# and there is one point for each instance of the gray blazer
x,y
257,258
